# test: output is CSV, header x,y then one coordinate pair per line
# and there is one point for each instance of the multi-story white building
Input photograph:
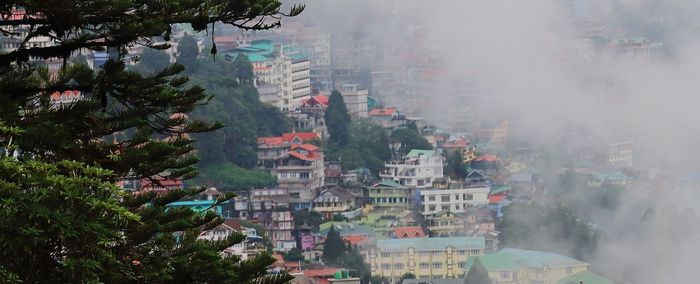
x,y
282,66
456,200
11,43
419,169
355,100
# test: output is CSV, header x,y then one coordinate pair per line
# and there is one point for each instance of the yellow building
x,y
517,266
436,258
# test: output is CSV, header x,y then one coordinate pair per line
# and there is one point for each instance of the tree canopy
x,y
337,119
477,274
72,224
410,139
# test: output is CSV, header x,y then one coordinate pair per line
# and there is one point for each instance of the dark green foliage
x,y
368,147
154,60
553,228
238,107
410,140
339,218
308,218
293,255
376,279
187,52
477,274
408,275
34,222
337,253
70,225
338,119
242,69
228,176
455,166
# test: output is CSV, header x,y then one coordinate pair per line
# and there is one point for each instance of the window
x,y
386,254
470,197
397,254
568,270
445,207
431,198
505,275
424,253
424,265
437,265
437,253
398,266
456,196
386,266
431,207
462,252
445,198
461,264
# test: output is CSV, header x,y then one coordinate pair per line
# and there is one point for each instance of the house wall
x,y
444,263
454,200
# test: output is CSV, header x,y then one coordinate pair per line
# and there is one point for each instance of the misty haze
x,y
350,141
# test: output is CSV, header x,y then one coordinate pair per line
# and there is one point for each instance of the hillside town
x,y
345,171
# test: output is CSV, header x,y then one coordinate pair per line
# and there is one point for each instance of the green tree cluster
x,y
455,166
337,253
70,224
410,139
368,147
552,228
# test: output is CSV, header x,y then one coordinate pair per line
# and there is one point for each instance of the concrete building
x,y
355,99
333,201
620,154
418,169
456,200
424,257
246,249
277,65
515,266
12,43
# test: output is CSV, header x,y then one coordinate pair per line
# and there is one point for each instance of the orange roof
x,y
304,136
383,111
315,100
56,95
409,232
270,140
321,272
489,158
307,147
355,239
310,157
496,198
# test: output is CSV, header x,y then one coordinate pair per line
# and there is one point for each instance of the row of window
x,y
446,197
429,253
422,265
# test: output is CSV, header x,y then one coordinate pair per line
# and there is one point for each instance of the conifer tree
x,y
338,119
71,224
477,274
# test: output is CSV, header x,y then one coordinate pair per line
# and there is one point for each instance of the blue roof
x,y
431,244
539,259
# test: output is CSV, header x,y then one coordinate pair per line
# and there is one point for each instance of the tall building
x,y
419,169
355,99
423,257
281,72
11,43
456,200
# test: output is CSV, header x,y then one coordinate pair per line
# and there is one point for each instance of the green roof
x,y
389,183
539,259
431,244
345,228
495,262
496,189
416,152
586,276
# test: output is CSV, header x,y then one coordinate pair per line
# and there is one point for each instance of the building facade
x,y
355,99
456,200
423,257
419,169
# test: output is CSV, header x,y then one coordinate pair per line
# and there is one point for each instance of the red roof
x,y
307,147
355,239
233,224
493,199
383,111
317,100
322,272
409,232
288,137
304,136
56,95
163,182
310,157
